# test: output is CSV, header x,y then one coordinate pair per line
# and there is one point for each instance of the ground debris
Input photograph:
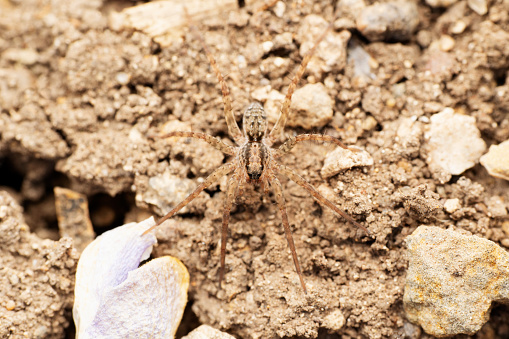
x,y
73,217
420,202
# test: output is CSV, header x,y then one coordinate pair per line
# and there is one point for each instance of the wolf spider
x,y
254,160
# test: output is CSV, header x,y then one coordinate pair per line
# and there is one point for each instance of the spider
x,y
254,161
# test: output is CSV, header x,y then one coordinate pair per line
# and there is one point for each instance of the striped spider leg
x,y
253,160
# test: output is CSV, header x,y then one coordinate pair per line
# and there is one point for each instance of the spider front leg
x,y
276,131
218,173
213,141
280,199
291,142
320,198
233,184
233,128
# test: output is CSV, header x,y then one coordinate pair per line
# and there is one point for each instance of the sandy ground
x,y
79,100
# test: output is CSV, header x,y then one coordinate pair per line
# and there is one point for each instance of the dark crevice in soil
x,y
107,212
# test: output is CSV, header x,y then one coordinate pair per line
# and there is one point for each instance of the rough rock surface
x,y
311,107
342,159
452,280
37,278
393,20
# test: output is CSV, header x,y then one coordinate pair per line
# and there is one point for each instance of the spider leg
x,y
320,198
291,142
233,184
218,173
285,109
278,191
213,141
233,128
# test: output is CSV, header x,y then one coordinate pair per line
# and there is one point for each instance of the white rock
x,y
496,161
341,159
116,299
207,332
452,205
334,321
311,107
454,143
478,6
165,21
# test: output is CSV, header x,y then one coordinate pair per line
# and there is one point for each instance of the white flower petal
x,y
116,299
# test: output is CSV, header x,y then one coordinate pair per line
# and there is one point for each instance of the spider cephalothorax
x,y
254,161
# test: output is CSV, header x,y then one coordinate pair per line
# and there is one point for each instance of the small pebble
x,y
369,123
393,20
207,332
446,43
165,191
332,50
25,56
458,27
505,227
13,279
334,321
261,94
496,161
363,63
311,107
454,142
341,159
505,242
267,46
440,3
390,102
123,78
478,6
9,305
452,205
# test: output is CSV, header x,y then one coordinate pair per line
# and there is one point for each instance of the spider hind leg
x,y
233,184
278,192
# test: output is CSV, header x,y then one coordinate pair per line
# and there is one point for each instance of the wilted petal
x,y
115,298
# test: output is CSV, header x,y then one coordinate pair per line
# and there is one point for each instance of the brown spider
x,y
254,161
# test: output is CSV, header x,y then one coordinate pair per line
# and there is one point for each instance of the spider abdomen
x,y
255,157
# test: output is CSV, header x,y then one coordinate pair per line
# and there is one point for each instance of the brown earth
x,y
79,100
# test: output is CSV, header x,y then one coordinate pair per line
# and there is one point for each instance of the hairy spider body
x,y
254,161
